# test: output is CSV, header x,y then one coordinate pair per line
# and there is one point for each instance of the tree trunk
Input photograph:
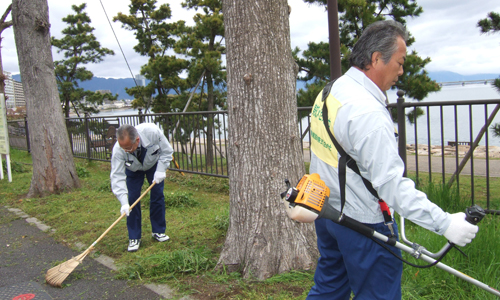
x,y
264,142
53,166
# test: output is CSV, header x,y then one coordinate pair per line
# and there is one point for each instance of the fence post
x,y
401,127
68,125
27,134
87,135
141,118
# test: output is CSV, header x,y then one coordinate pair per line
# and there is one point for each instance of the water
x,y
447,93
479,113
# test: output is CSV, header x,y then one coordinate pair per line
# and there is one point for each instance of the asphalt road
x,y
27,252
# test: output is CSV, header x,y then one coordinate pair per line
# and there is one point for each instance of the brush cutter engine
x,y
304,202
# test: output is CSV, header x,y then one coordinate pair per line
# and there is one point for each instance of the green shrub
x,y
82,172
103,186
180,199
222,221
187,261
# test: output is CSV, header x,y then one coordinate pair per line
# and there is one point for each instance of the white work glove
x,y
125,209
460,232
160,176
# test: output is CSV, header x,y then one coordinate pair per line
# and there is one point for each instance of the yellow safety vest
x,y
321,144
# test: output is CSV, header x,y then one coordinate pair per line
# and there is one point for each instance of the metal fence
x,y
441,142
451,140
198,138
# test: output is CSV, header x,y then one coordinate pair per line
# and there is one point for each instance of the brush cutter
x,y
58,274
309,201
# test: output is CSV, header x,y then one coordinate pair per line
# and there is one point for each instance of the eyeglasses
x,y
131,148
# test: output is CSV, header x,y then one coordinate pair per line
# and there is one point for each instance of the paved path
x,y
450,165
27,252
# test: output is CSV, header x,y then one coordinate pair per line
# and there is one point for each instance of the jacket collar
x,y
143,140
360,77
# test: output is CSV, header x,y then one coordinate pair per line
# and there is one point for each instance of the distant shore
x,y
479,152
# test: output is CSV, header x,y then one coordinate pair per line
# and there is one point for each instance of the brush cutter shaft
x,y
424,251
439,265
328,212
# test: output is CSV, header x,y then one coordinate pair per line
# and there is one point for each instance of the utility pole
x,y
334,39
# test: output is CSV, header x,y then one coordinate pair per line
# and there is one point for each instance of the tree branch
x,y
3,23
6,13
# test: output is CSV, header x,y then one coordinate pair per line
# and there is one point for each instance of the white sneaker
x,y
133,245
160,237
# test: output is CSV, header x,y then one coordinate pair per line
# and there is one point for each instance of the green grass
x,y
197,217
482,261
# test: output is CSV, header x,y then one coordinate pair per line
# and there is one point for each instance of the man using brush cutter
x,y
141,151
350,126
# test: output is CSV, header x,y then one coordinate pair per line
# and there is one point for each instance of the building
x,y
19,94
10,97
140,80
14,92
103,91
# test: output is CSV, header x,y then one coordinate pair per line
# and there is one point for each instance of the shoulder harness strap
x,y
346,160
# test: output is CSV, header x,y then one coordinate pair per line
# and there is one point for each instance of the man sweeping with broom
x,y
141,151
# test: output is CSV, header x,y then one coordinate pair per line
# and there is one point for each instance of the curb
x,y
162,290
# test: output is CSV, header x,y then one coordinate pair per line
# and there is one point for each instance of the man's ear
x,y
377,58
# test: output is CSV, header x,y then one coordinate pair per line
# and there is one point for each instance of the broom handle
x,y
121,217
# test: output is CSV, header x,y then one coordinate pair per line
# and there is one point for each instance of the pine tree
x,y
202,44
54,169
354,17
264,143
492,25
155,36
80,47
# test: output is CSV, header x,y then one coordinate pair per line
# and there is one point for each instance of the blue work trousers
x,y
353,262
135,180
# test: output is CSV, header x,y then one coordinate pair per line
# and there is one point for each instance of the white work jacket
x,y
158,150
363,127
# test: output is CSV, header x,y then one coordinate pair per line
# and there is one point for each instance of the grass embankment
x,y
197,219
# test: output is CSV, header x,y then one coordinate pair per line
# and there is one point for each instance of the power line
x,y
125,58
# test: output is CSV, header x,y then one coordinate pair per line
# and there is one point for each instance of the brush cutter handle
x,y
123,215
474,214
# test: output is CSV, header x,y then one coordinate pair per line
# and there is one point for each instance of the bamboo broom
x,y
56,275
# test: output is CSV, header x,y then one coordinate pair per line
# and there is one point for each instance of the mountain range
x,y
118,85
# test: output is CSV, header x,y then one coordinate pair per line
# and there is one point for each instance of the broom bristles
x,y
56,275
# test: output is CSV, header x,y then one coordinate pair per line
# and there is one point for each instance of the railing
x,y
199,139
463,125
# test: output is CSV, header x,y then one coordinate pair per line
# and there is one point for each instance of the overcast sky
x,y
446,32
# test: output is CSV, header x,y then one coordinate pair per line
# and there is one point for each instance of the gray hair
x,y
380,36
127,130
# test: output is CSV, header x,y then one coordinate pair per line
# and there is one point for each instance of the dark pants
x,y
135,180
352,262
